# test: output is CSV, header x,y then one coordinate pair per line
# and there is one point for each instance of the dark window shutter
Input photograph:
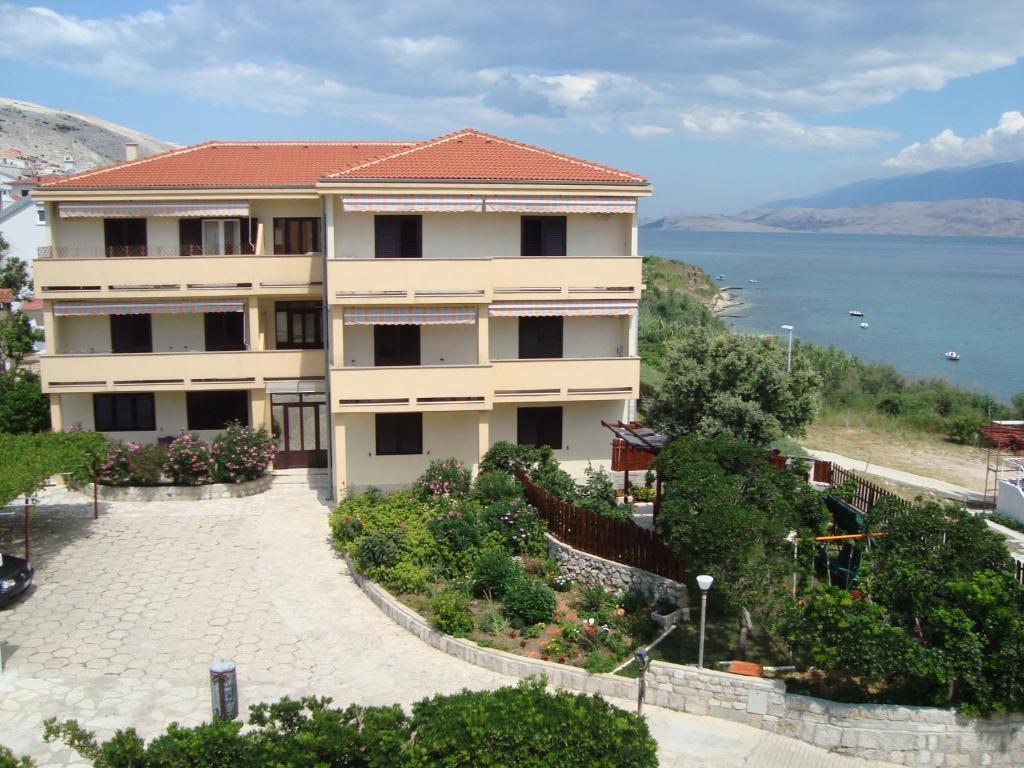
x,y
411,236
532,238
190,236
386,242
554,236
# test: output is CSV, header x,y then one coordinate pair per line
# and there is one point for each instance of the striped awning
x,y
133,210
66,308
562,308
412,204
561,204
410,315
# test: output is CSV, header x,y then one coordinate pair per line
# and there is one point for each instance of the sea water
x,y
921,296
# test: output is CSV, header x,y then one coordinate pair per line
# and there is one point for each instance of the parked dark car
x,y
15,577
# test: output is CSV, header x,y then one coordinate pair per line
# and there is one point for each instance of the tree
x,y
731,383
23,406
727,512
1017,405
13,272
17,339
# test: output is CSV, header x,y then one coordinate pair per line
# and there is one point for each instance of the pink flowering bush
x,y
443,477
241,453
188,460
131,464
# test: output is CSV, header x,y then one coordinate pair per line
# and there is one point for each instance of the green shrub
x,y
494,571
529,601
450,612
23,406
597,494
456,526
8,760
528,727
502,456
555,480
374,511
643,493
345,528
241,453
496,486
517,525
599,661
406,578
188,461
379,549
523,726
443,477
493,621
964,428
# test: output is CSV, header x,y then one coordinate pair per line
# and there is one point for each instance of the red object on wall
x,y
626,458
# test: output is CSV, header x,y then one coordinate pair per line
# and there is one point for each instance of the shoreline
x,y
723,302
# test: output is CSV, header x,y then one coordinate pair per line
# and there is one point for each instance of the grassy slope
x,y
677,276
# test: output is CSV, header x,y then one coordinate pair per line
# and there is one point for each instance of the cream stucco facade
x,y
309,358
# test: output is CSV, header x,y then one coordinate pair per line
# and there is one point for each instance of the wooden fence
x,y
1018,567
865,494
618,540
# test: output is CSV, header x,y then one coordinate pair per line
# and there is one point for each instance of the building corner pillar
x,y
56,417
483,435
339,459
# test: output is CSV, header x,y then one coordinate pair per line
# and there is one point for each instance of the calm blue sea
x,y
921,296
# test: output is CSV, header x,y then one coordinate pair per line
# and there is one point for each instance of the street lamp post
x,y
789,354
704,582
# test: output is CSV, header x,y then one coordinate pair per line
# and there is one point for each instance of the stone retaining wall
x,y
583,566
922,737
183,492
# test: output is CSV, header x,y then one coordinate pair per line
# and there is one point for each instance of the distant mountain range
x,y
975,201
45,135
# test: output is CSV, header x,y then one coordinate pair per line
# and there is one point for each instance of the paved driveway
x,y
128,611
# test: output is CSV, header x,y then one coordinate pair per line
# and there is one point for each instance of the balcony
x,y
479,281
154,372
70,273
411,388
601,378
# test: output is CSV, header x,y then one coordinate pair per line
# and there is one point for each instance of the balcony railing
x,y
155,371
553,379
48,252
411,388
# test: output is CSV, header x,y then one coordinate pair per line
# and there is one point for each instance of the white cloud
x,y
767,71
776,128
1004,141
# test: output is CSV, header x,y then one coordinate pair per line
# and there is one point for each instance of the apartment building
x,y
376,304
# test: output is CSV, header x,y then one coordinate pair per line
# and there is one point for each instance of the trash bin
x,y
224,689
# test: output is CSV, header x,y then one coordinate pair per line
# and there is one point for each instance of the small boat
x,y
751,281
721,277
864,325
952,356
856,313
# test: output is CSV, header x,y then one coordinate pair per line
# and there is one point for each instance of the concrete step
x,y
311,478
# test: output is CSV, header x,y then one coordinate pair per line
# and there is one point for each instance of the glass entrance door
x,y
300,429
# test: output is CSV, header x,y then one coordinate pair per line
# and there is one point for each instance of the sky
x,y
722,105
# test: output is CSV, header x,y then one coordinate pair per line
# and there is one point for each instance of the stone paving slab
x,y
128,611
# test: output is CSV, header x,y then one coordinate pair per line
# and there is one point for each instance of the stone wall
x,y
922,737
182,492
582,566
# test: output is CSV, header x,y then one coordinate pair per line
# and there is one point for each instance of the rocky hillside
x,y
45,135
985,217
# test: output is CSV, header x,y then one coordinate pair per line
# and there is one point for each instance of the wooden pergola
x,y
634,448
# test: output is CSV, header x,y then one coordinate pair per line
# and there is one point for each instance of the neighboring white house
x,y
23,226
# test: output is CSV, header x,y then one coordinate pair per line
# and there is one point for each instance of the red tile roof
x,y
473,155
232,164
32,305
6,296
467,155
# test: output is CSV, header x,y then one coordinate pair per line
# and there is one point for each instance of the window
x,y
125,237
224,331
540,337
215,410
543,236
131,333
294,236
221,236
539,426
396,345
298,324
399,434
398,237
40,213
124,413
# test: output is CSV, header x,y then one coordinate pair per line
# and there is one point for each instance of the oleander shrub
x,y
188,460
115,467
456,526
241,453
496,486
443,477
529,600
495,570
449,612
131,464
518,526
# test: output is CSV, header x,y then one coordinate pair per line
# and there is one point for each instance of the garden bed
x,y
169,492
